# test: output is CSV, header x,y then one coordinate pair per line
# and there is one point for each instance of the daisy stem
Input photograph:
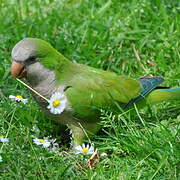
x,y
9,127
32,89
40,168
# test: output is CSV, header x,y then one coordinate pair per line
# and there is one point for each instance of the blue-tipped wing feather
x,y
147,84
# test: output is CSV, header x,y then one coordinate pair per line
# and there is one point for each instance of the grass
x,y
133,38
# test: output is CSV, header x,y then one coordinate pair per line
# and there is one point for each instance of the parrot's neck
x,y
41,79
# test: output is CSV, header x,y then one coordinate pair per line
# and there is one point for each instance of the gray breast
x,y
43,81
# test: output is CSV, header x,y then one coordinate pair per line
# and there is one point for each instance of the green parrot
x,y
87,89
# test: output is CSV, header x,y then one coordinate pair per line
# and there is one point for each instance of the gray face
x,y
23,51
25,61
26,55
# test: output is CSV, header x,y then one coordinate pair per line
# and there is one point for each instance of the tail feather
x,y
160,95
147,85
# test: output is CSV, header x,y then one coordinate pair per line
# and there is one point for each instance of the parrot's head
x,y
30,55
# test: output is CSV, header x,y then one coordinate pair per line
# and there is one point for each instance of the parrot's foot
x,y
78,135
80,132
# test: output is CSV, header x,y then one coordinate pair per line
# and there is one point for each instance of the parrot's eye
x,y
31,60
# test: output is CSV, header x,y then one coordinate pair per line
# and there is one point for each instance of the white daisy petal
x,y
24,101
12,97
55,111
78,148
57,103
44,142
18,98
4,139
1,159
83,149
83,146
91,150
103,154
37,141
78,152
87,146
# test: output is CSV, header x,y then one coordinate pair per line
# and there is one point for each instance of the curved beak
x,y
18,70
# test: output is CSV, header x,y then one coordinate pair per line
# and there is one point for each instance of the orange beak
x,y
18,70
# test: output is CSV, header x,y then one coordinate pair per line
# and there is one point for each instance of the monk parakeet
x,y
84,90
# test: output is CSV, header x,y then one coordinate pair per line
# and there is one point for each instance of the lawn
x,y
130,37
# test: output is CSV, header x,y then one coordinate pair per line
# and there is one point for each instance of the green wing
x,y
93,89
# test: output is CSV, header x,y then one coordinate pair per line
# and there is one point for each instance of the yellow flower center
x,y
42,140
19,97
85,150
56,103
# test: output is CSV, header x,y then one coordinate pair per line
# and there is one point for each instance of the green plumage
x,y
90,89
161,95
93,89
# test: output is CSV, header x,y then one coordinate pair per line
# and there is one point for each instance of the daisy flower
x,y
18,98
84,149
4,139
44,142
57,103
1,159
103,154
54,148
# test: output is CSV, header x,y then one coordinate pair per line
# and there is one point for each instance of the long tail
x,y
160,95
